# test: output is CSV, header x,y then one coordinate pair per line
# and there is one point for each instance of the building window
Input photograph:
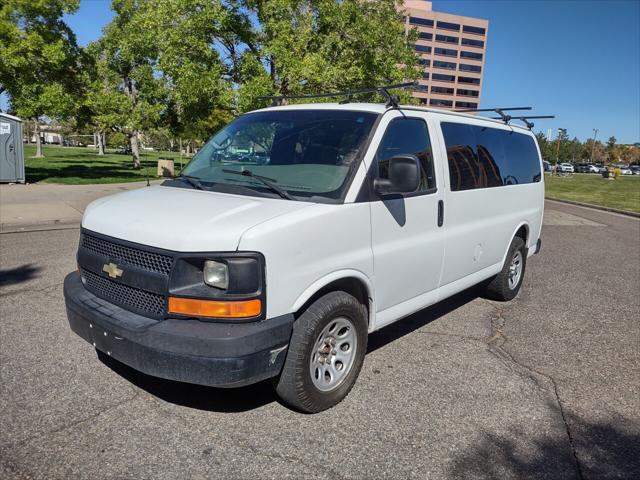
x,y
424,62
445,65
423,101
436,102
422,48
449,26
476,30
446,52
426,36
421,21
467,93
472,43
443,78
472,55
466,105
446,39
421,88
425,75
470,68
442,90
474,81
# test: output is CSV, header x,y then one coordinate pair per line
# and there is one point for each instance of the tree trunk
x,y
100,140
135,152
104,140
36,129
27,124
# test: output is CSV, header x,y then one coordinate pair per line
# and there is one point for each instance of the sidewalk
x,y
43,206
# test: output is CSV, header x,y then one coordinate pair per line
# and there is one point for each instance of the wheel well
x,y
350,285
523,233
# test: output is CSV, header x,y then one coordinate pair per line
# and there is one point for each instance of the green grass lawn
x,y
622,193
81,165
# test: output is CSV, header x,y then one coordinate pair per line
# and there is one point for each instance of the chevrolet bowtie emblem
x,y
112,270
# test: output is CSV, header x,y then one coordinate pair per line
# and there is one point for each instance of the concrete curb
x,y
38,226
596,207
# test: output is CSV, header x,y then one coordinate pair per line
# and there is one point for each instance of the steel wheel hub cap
x,y
333,354
515,270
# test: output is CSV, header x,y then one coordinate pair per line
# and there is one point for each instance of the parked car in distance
x,y
240,270
546,165
565,167
593,168
625,170
582,168
635,169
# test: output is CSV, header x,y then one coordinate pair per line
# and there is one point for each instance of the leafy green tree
x,y
189,62
38,59
613,150
305,46
138,95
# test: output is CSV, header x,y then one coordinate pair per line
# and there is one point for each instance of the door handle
x,y
440,213
11,147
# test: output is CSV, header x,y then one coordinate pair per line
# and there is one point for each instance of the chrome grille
x,y
151,261
124,295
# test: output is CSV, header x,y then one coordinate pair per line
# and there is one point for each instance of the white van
x,y
298,230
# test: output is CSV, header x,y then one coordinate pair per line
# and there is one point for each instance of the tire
x,y
500,287
302,384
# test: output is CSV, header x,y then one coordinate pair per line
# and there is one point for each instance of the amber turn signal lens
x,y
215,308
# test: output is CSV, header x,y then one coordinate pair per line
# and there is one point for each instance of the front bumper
x,y
205,353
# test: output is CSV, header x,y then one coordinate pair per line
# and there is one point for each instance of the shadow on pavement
x,y
603,450
19,274
195,396
419,319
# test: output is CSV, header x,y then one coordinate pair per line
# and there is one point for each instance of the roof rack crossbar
x,y
500,111
392,100
526,119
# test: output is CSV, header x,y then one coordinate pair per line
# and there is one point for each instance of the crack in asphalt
x,y
75,423
496,344
44,290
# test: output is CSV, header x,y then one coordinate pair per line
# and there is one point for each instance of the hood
x,y
182,219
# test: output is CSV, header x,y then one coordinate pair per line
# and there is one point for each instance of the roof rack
x,y
506,118
500,111
526,119
392,100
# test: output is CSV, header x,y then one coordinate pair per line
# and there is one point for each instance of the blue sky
x,y
578,60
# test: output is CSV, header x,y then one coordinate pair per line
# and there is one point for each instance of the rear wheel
x,y
506,285
325,354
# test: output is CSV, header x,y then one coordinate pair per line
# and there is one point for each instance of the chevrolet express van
x,y
294,233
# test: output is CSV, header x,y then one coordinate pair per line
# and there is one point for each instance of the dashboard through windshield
x,y
307,153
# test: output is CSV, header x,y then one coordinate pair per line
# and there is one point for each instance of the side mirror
x,y
404,176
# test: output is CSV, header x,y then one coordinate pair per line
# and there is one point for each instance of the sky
x,y
578,60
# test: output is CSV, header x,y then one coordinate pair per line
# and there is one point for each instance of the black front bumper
x,y
206,353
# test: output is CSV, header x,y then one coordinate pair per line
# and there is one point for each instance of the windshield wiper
x,y
264,180
191,180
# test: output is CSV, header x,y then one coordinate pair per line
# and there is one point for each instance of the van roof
x,y
380,108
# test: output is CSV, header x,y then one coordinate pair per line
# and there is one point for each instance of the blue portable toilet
x,y
11,151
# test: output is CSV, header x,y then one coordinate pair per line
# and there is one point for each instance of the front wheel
x,y
506,285
326,353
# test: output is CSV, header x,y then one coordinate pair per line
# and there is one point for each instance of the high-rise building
x,y
452,51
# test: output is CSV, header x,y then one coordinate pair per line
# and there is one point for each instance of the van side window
x,y
407,136
483,157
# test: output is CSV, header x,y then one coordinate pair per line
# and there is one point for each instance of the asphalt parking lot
x,y
546,386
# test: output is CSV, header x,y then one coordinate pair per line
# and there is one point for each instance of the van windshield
x,y
306,153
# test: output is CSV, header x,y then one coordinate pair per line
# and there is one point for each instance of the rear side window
x,y
407,136
481,157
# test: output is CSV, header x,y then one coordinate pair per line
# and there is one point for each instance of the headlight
x,y
216,274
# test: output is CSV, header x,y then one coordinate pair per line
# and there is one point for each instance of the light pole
x,y
560,130
593,145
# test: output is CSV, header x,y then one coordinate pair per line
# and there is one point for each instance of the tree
x,y
38,59
613,151
137,94
305,46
